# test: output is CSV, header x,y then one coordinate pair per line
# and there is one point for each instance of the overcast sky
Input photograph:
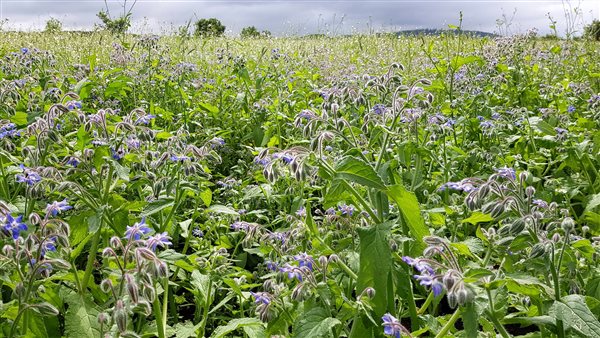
x,y
308,16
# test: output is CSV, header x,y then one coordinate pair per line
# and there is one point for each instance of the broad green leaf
x,y
593,202
221,209
186,329
358,171
315,323
81,318
470,319
478,217
575,314
20,118
208,107
411,214
206,196
156,206
234,324
376,265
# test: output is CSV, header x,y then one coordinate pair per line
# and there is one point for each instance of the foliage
x,y
315,187
252,32
209,28
53,25
592,31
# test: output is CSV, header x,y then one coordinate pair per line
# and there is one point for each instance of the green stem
x,y
425,305
157,314
492,316
449,324
92,257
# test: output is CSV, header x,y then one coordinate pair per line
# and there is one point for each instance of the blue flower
x,y
261,297
347,210
571,109
145,119
56,207
292,271
506,173
137,230
48,245
304,260
13,226
378,109
73,161
24,50
28,176
180,159
161,240
197,232
118,154
301,212
391,326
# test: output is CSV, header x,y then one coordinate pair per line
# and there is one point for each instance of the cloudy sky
x,y
311,16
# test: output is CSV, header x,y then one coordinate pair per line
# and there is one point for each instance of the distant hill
x,y
429,31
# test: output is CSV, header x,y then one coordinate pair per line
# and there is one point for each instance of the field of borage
x,y
299,187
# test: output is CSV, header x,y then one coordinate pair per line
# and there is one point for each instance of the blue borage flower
x,y
56,207
161,239
71,105
13,226
136,231
180,158
378,109
392,326
301,212
9,130
261,297
465,185
28,176
304,260
73,161
346,210
292,271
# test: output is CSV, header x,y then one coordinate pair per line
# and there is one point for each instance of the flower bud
x,y
120,316
567,224
537,250
102,318
529,191
556,237
517,226
106,285
370,292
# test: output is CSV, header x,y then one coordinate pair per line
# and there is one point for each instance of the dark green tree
x,y
249,32
53,25
592,31
209,27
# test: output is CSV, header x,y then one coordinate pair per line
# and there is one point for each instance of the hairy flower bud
x,y
567,224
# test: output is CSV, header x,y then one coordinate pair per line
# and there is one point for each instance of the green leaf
x,y
186,329
206,196
376,265
478,217
235,324
20,118
358,171
470,320
81,318
221,209
593,202
411,214
156,206
575,314
208,107
315,323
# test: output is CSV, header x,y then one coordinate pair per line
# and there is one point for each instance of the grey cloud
x,y
300,17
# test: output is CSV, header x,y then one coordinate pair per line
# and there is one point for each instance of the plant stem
x,y
91,258
449,324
